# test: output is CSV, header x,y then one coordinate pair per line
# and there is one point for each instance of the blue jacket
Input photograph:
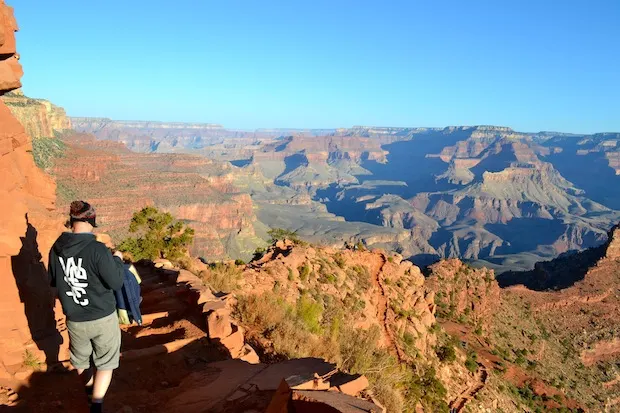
x,y
128,298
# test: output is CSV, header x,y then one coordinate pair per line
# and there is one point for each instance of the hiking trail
x,y
480,379
155,357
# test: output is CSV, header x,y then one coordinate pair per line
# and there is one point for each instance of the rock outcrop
x,y
462,293
40,117
29,227
217,310
385,290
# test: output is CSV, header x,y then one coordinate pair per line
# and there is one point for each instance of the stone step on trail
x,y
148,319
156,350
160,294
169,305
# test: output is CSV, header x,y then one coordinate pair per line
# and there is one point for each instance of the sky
x,y
533,65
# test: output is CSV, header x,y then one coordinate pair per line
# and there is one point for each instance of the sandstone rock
x,y
219,324
248,354
163,263
10,74
202,390
205,295
354,386
39,117
304,401
270,378
213,305
234,342
613,247
106,240
30,224
190,279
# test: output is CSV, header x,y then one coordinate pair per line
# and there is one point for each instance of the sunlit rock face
x,y
29,227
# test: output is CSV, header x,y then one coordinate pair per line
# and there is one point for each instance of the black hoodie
x,y
85,273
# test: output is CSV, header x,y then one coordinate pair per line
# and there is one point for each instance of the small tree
x,y
160,235
278,234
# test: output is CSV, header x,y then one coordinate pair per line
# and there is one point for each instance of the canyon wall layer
x,y
30,225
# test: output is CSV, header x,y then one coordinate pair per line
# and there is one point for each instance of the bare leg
x,y
87,376
102,382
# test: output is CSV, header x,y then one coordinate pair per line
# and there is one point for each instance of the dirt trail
x,y
480,380
382,311
156,357
486,360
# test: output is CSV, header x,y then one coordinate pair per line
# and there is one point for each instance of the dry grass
x,y
222,277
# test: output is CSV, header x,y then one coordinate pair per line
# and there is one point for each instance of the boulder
x,y
304,369
205,295
218,324
234,342
354,386
248,354
309,401
188,278
163,263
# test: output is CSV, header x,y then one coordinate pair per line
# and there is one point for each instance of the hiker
x,y
85,273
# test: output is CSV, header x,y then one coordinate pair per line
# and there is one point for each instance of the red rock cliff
x,y
29,227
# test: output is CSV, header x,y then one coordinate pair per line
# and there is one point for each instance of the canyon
x,y
414,269
487,195
479,193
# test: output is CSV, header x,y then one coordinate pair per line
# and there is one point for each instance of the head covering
x,y
82,211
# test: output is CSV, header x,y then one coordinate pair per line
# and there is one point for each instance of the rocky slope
x,y
30,226
461,335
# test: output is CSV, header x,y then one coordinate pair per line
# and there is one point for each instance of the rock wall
x,y
119,182
29,227
40,117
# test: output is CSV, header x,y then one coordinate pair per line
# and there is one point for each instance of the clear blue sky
x,y
529,64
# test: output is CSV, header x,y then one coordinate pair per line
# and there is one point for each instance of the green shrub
x,y
470,363
304,272
446,353
278,234
340,260
259,253
160,236
31,361
45,151
310,313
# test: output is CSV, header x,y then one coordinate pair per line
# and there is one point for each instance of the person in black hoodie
x,y
85,273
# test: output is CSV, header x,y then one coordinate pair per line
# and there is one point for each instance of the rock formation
x,y
389,291
462,293
30,225
40,117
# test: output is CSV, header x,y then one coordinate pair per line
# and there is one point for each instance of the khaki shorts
x,y
100,339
